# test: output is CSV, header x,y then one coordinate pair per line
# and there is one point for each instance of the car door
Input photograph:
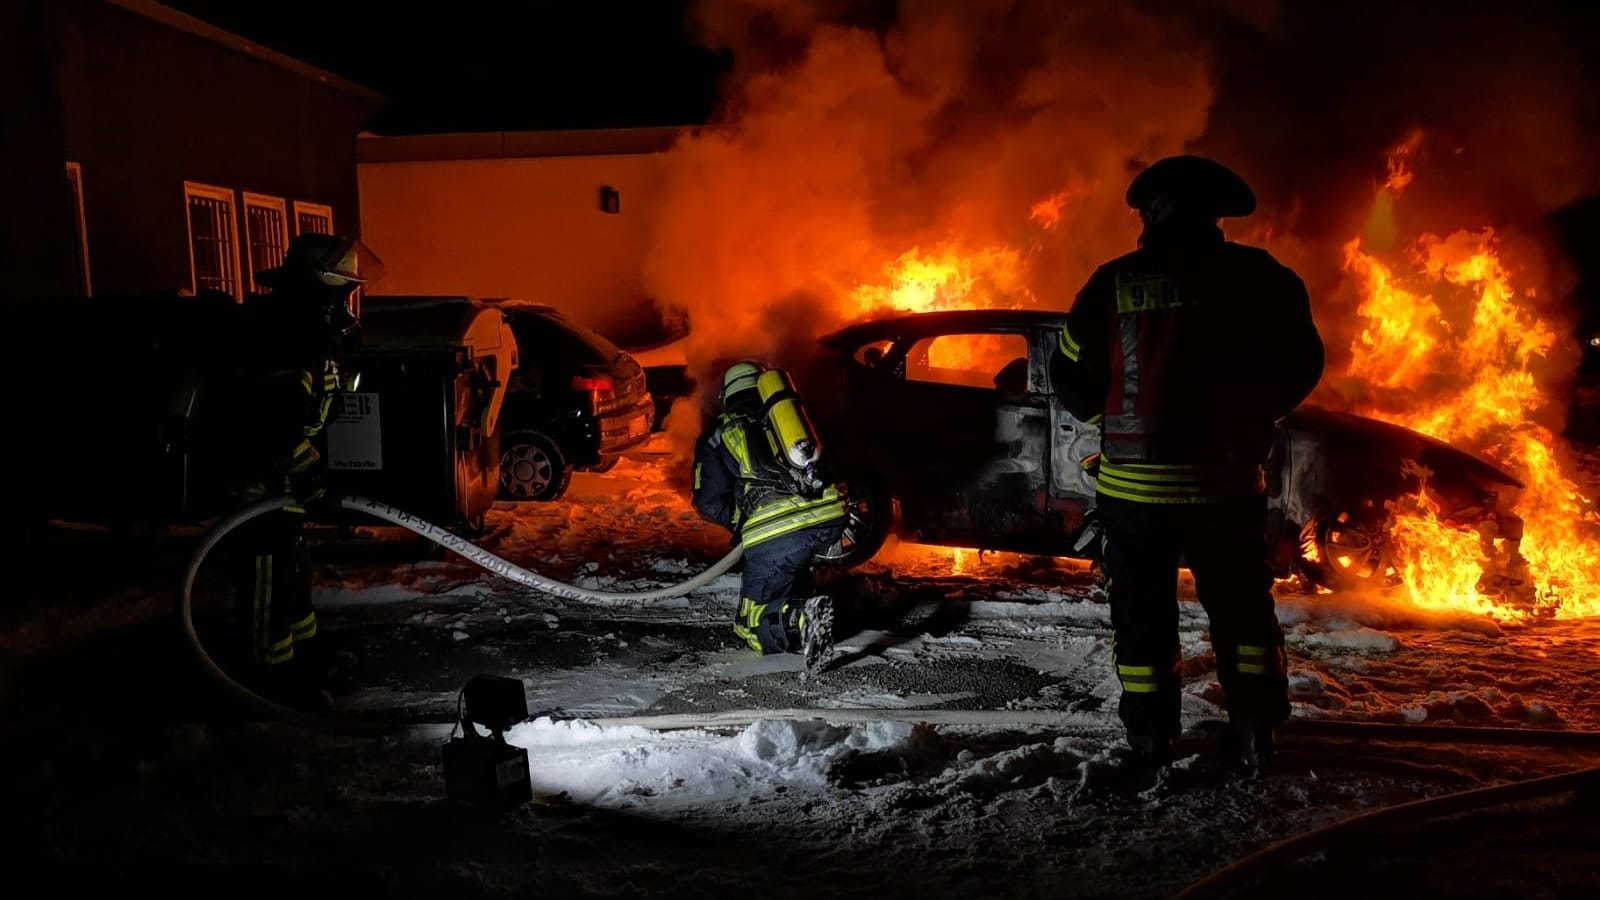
x,y
973,420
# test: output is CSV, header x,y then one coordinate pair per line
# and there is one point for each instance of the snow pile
x,y
628,767
1354,639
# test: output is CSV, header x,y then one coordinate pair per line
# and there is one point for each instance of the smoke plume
x,y
851,134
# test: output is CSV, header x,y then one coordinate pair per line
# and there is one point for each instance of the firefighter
x,y
783,516
292,338
1187,352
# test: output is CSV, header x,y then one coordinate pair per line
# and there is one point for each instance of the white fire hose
x,y
490,562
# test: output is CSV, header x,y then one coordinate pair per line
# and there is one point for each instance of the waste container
x,y
421,428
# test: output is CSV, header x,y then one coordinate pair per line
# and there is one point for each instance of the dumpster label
x,y
355,439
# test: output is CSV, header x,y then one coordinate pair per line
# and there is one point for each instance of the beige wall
x,y
528,227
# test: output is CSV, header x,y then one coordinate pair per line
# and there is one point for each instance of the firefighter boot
x,y
1150,751
816,633
1249,743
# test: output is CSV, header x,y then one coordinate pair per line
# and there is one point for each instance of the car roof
x,y
950,321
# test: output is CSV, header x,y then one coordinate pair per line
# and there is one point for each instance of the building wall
x,y
148,106
519,227
36,231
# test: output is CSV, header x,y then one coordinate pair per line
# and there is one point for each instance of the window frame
x,y
315,209
263,201
898,359
210,191
75,179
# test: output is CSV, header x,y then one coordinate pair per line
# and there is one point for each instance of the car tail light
x,y
599,388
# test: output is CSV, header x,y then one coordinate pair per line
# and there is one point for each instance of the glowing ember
x,y
1451,353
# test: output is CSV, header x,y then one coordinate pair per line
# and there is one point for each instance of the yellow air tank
x,y
787,422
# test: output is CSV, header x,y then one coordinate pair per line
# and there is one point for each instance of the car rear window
x,y
586,344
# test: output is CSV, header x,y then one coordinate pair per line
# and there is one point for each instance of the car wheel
x,y
532,467
869,516
1348,549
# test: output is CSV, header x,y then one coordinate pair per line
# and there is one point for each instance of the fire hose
x,y
481,557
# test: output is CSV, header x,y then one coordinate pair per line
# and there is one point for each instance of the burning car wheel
x,y
1348,550
869,511
532,467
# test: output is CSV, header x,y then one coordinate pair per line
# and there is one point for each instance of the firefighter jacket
x,y
290,376
1187,352
737,485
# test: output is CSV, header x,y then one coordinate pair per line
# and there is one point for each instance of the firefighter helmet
x,y
333,260
739,378
1192,182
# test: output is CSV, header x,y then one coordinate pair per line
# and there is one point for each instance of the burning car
x,y
945,426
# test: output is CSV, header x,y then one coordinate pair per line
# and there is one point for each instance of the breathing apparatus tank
x,y
789,428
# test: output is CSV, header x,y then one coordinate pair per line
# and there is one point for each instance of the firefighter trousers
x,y
1223,545
774,571
274,590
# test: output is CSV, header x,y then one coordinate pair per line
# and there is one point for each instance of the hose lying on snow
x,y
955,717
478,555
513,572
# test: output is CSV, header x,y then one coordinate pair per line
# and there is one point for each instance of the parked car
x,y
576,402
945,427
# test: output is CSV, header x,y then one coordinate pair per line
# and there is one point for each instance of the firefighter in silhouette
x,y
1187,352
291,340
755,473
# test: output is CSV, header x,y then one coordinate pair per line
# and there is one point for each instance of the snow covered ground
x,y
121,786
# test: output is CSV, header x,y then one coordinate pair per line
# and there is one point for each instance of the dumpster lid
x,y
392,322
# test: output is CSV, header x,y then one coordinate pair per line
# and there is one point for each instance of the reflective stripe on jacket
x,y
1187,352
733,489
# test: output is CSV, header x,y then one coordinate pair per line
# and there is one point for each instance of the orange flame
x,y
1451,353
950,278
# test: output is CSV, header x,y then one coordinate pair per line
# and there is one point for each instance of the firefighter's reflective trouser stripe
x,y
777,572
1138,679
1251,659
1222,545
783,513
274,638
1173,484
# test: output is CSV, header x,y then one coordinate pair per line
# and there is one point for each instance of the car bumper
x,y
626,428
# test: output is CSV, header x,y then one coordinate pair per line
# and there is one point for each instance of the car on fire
x,y
945,428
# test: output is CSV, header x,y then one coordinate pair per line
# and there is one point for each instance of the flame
x,y
1400,173
946,278
1450,351
950,278
1047,212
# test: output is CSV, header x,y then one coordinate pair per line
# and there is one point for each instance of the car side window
x,y
870,355
997,362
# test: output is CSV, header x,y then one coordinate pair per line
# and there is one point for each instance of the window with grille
x,y
213,250
266,234
312,218
80,230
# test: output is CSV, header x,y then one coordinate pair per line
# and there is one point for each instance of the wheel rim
x,y
526,470
1355,548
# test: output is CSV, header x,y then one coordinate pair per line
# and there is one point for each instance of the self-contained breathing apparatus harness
x,y
783,451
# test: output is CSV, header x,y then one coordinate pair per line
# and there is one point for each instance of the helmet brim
x,y
1195,182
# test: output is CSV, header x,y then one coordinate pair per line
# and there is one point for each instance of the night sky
x,y
467,66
